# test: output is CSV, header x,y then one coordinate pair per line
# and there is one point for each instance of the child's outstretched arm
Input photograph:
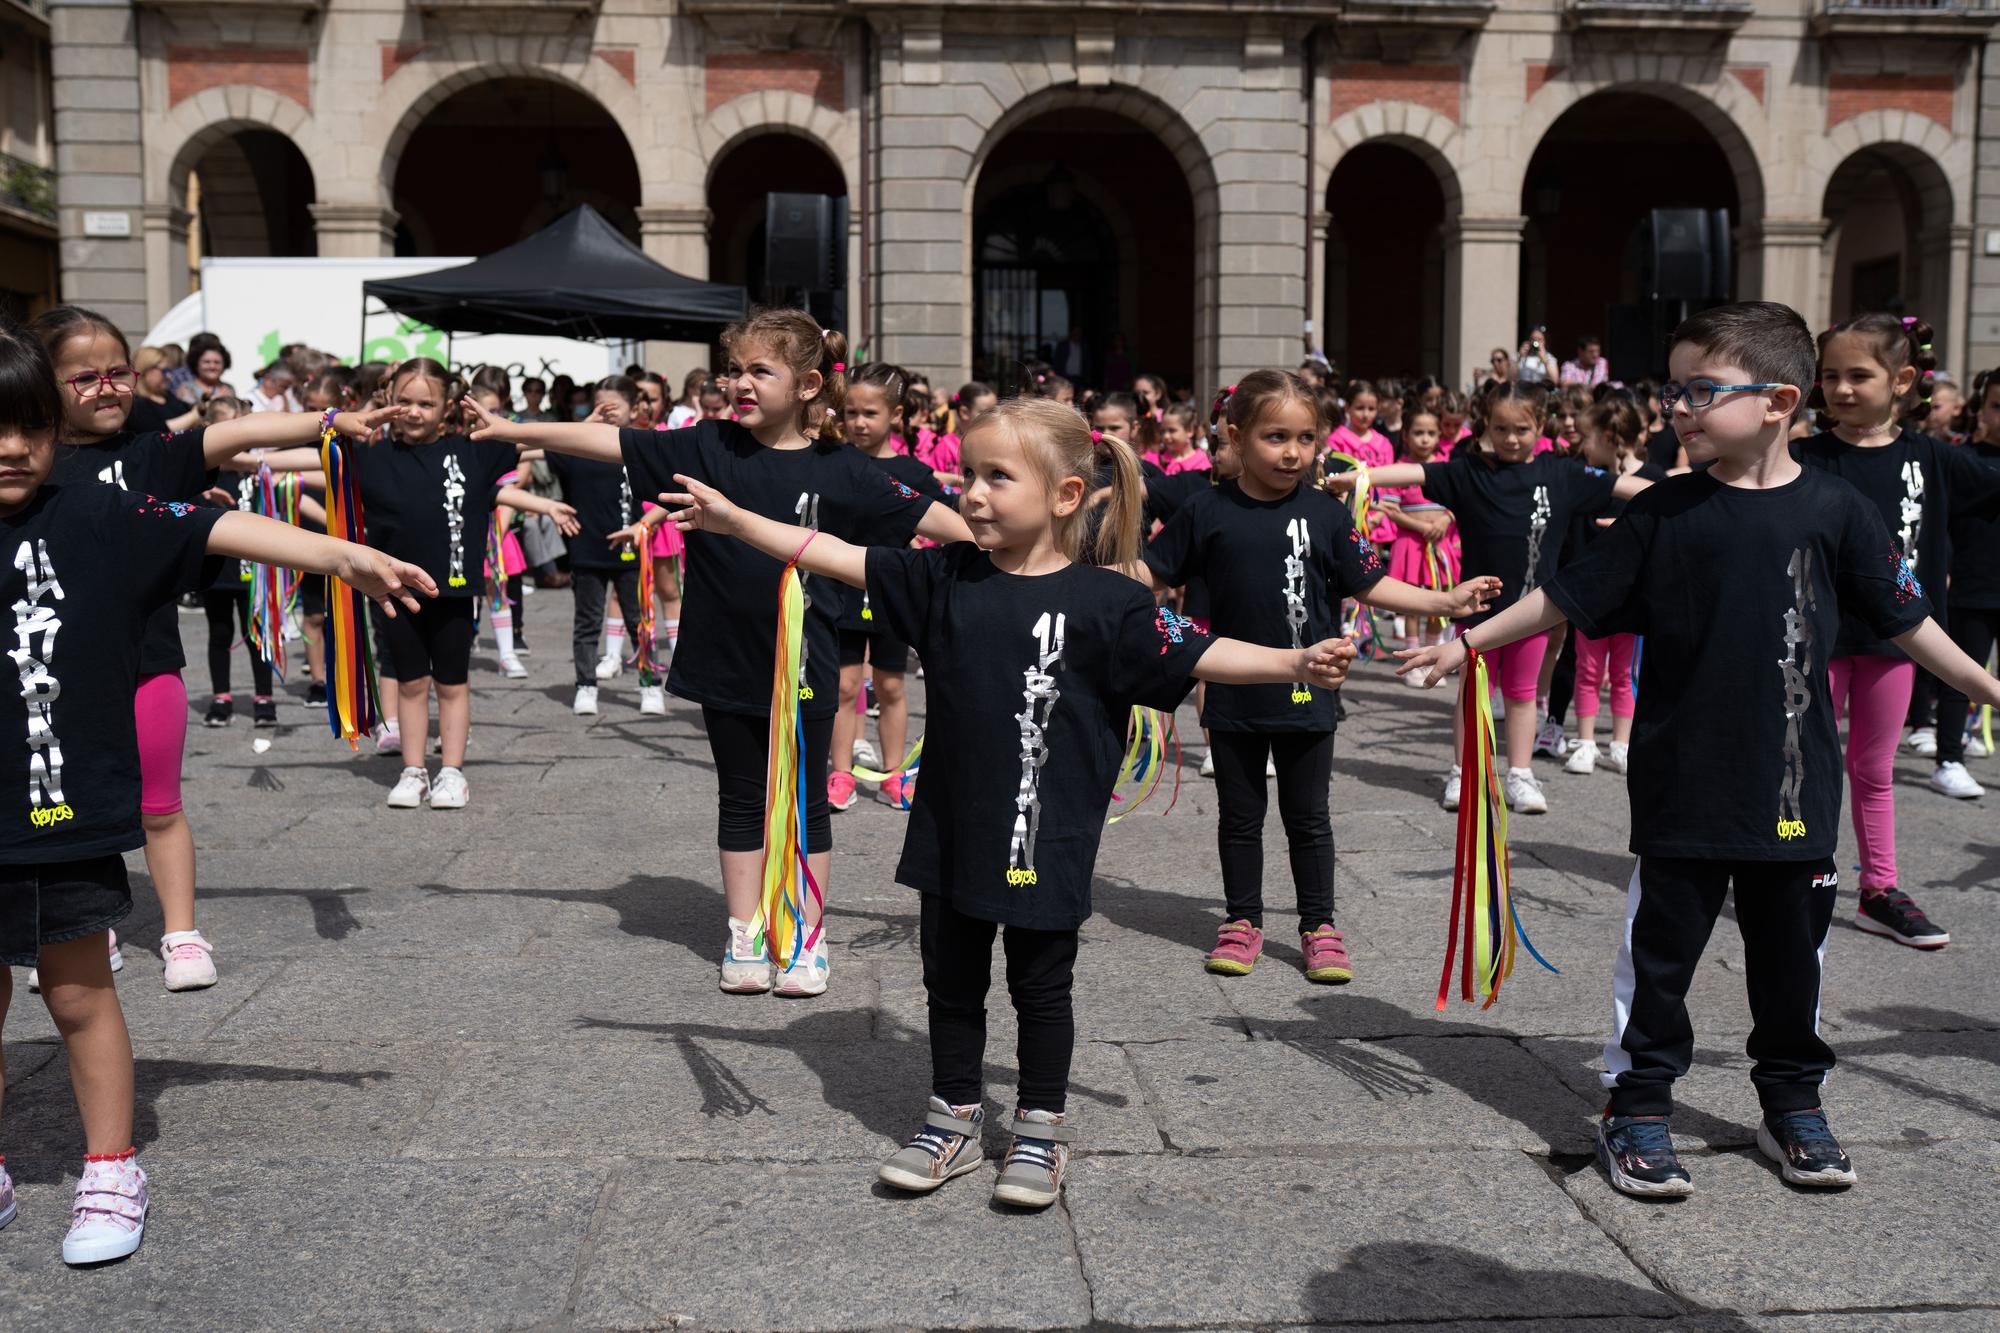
x,y
584,439
702,508
942,524
1468,598
1630,485
1234,662
1932,649
274,430
1395,474
269,542
1531,615
513,497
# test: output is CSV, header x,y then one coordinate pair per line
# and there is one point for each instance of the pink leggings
x,y
1874,694
1592,655
160,710
1518,667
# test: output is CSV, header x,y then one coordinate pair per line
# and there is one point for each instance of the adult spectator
x,y
273,390
1535,365
1590,367
209,360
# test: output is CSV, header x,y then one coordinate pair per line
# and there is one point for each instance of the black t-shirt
x,y
729,607
166,464
84,566
148,417
1277,570
1917,484
1032,681
1513,517
1740,593
1663,449
430,504
1975,545
605,501
1585,529
231,574
855,613
1165,494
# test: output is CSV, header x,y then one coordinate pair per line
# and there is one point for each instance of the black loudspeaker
x,y
1690,254
805,241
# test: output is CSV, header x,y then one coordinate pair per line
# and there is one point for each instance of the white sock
x,y
503,636
673,630
614,639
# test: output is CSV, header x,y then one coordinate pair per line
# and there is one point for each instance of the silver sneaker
x,y
947,1146
1031,1177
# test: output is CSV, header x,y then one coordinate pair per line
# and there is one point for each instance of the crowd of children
x,y
1688,555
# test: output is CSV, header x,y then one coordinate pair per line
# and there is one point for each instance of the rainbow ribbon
x,y
273,588
353,700
912,764
643,626
1482,904
1145,762
780,924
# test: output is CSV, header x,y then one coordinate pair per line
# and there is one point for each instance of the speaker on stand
x,y
805,254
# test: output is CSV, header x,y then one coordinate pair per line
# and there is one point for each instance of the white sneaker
x,y
1452,782
586,699
448,792
864,755
1208,764
511,666
1524,794
1618,756
610,668
388,741
6,1198
807,977
1582,758
1923,741
117,958
746,970
1975,745
1951,779
186,955
108,1219
652,700
1549,738
410,789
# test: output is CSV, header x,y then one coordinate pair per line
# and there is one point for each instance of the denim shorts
x,y
53,902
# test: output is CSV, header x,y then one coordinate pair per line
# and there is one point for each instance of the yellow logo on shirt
x,y
47,816
1018,877
1301,695
805,691
457,581
1791,828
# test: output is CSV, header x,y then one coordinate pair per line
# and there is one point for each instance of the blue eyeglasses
x,y
1700,393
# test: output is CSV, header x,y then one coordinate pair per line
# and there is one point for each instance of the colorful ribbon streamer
x,y
643,627
1145,762
781,912
912,764
353,700
273,588
1482,904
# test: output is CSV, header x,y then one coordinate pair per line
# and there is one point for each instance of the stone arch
x,y
778,111
1433,138
1928,151
1724,107
1181,141
412,92
195,125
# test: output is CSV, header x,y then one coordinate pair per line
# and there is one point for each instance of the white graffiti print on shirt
x,y
1538,527
808,511
35,626
454,518
113,475
1295,595
1796,667
1038,695
1911,511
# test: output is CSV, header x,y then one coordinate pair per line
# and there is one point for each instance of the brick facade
x,y
1432,86
730,75
1851,95
286,71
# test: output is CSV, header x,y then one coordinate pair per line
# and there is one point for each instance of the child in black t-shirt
x,y
1974,600
873,417
1034,659
781,458
1513,508
1278,556
83,567
1739,577
1872,370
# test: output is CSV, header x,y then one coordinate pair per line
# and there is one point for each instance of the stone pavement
x,y
472,1070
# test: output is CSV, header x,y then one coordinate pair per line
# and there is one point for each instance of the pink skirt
x,y
1408,563
667,544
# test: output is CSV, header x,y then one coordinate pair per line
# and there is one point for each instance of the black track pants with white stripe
x,y
1783,910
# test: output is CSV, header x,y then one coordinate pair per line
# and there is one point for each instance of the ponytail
x,y
1119,529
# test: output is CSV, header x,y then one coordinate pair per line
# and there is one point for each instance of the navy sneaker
x,y
1805,1149
1892,915
1637,1152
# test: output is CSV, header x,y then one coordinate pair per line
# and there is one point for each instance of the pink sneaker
x,y
6,1196
1326,957
1237,945
108,1219
840,791
891,792
186,955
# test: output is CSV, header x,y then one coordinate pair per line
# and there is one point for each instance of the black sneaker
x,y
1637,1152
315,695
874,708
1892,915
219,712
264,713
1804,1149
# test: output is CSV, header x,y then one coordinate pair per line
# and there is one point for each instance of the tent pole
x,y
361,354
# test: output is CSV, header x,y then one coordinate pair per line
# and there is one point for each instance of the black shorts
x,y
53,902
879,650
312,594
435,641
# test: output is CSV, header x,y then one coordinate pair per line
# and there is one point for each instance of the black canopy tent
x,y
578,277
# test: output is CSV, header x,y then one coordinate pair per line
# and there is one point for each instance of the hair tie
x,y
1925,348
839,366
1097,437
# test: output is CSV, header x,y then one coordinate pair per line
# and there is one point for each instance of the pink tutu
x,y
667,543
1409,563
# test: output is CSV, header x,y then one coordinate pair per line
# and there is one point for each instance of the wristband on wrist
x,y
326,419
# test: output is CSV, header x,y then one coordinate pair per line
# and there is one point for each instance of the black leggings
x,y
741,746
1974,629
958,967
1304,760
223,628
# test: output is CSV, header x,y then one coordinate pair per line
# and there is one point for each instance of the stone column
x,y
678,238
1784,260
166,258
354,231
1482,291
94,61
1322,222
